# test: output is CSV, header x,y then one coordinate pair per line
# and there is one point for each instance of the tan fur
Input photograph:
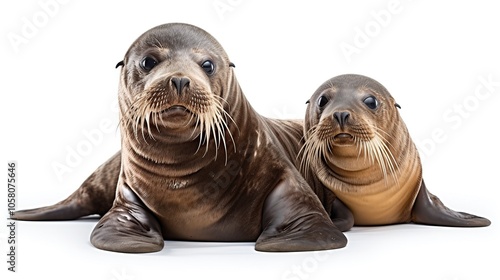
x,y
376,173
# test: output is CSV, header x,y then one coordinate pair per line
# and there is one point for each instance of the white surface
x,y
61,84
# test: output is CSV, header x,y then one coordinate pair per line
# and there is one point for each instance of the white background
x,y
59,84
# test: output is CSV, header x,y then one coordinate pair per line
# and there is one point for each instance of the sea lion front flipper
x,y
128,226
94,196
294,220
341,216
428,209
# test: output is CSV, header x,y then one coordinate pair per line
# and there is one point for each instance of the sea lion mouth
x,y
343,138
343,135
175,111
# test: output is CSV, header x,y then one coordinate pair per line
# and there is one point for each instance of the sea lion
x,y
197,162
357,145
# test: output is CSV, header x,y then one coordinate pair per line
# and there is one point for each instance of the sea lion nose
x,y
179,83
341,118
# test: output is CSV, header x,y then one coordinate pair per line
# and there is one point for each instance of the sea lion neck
x,y
183,148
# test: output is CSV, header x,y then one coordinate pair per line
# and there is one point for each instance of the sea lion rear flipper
x,y
95,196
294,220
428,209
341,216
128,226
67,209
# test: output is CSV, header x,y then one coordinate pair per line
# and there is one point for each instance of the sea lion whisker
x,y
220,107
136,127
223,128
368,151
359,144
220,124
390,159
377,153
378,130
213,123
385,144
161,120
142,119
367,154
386,140
190,120
206,129
135,113
311,151
328,146
227,127
214,131
384,158
154,120
148,124
210,129
371,151
143,122
198,127
213,126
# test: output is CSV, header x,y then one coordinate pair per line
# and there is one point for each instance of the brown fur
x,y
198,163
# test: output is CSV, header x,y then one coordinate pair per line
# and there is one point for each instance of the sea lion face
x,y
351,124
173,83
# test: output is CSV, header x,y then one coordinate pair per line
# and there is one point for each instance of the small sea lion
x,y
357,145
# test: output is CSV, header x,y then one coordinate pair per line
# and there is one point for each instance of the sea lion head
x,y
353,132
174,86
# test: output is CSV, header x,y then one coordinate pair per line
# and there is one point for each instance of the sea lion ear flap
x,y
232,65
308,101
119,64
397,105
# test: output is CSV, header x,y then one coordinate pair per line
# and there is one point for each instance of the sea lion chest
x,y
222,200
387,201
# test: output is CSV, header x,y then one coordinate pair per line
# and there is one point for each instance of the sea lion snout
x,y
179,82
341,117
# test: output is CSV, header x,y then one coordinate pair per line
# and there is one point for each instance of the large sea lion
x,y
357,145
197,162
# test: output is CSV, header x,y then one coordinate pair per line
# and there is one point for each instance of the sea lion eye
x,y
371,102
208,67
322,101
148,63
